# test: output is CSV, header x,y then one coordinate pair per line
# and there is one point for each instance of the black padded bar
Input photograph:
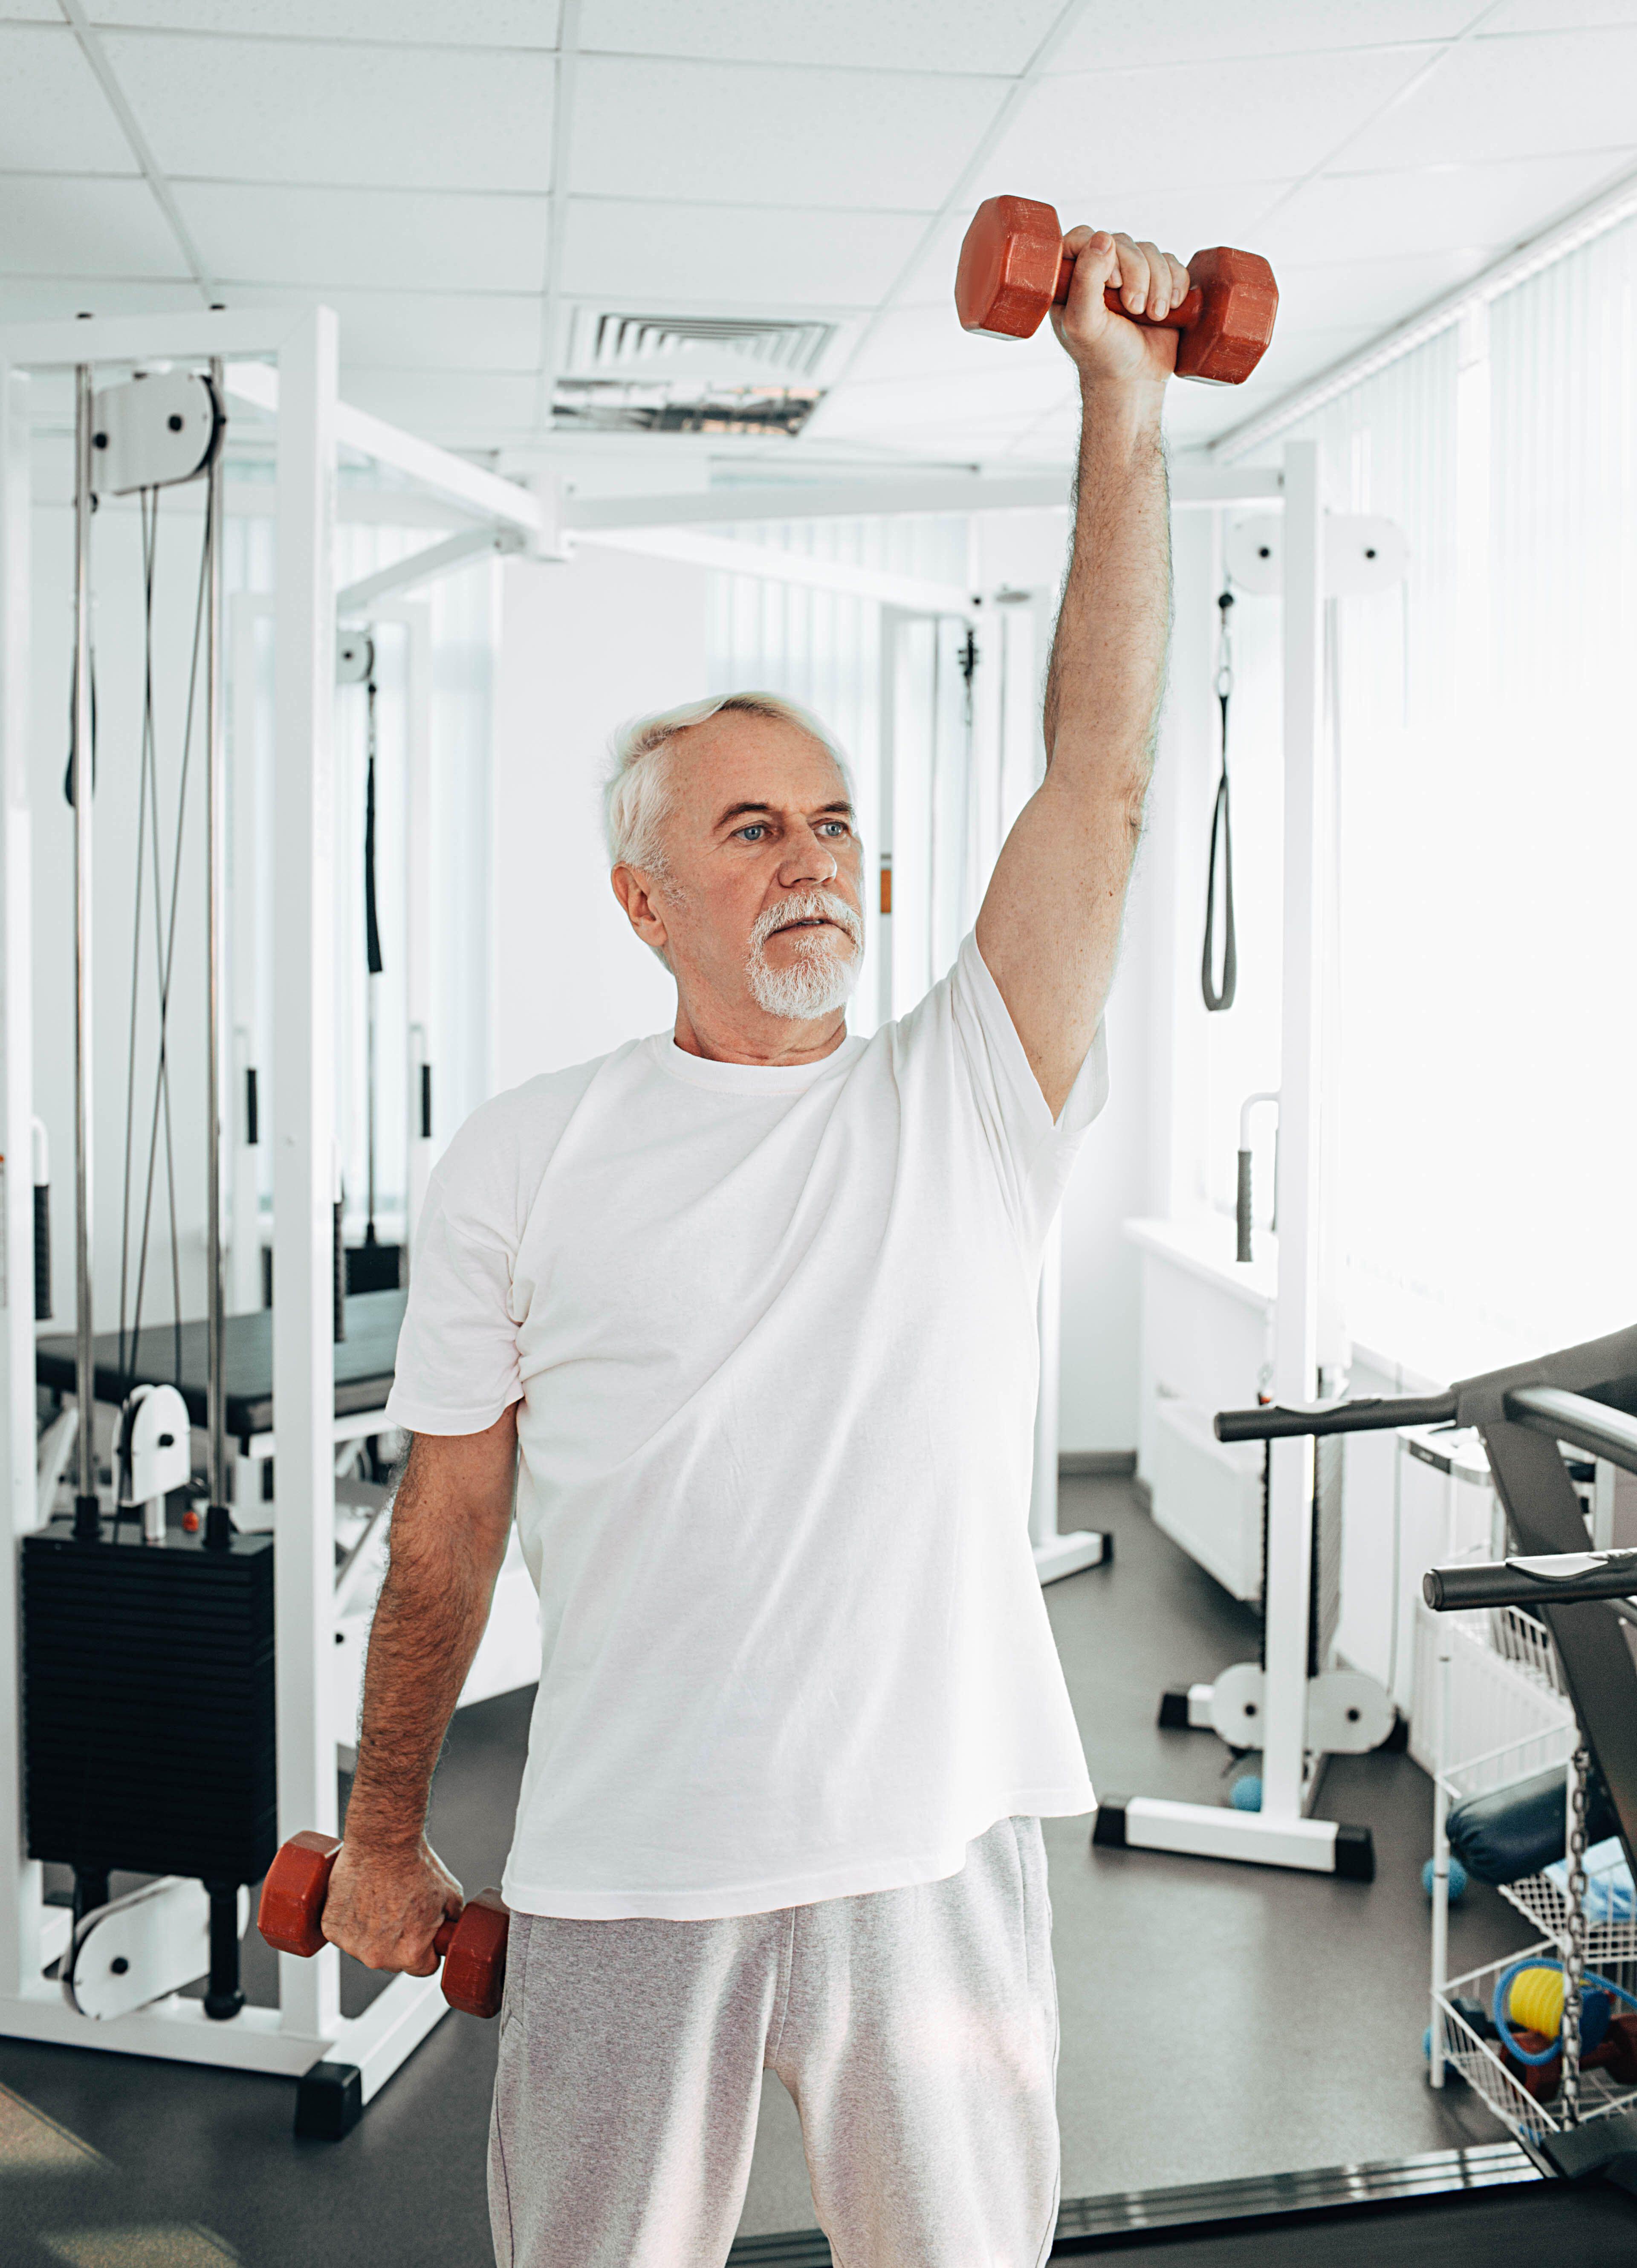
x,y
1590,1426
1554,1579
364,1363
1373,1413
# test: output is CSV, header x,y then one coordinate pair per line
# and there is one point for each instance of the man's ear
x,y
630,888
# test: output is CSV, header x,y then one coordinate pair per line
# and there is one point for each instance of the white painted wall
x,y
583,647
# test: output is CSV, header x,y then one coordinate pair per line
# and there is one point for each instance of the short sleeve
x,y
457,1365
1035,1151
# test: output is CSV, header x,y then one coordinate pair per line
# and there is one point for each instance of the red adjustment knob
x,y
471,1944
1013,269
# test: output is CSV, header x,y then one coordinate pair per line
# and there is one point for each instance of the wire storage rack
x,y
1530,2102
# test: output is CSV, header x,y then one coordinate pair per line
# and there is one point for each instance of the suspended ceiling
x,y
472,183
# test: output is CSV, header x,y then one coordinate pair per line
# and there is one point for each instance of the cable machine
x,y
95,1781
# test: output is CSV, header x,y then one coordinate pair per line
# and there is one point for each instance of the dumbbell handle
x,y
1183,317
290,1918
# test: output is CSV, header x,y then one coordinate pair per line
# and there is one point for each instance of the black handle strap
x,y
371,927
1218,995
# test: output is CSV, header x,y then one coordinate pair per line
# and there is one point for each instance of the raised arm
x,y
1049,927
450,1526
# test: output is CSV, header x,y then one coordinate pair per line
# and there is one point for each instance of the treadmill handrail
x,y
1563,1579
1272,1421
1590,1426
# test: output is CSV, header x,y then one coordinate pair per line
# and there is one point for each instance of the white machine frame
x,y
283,362
1317,561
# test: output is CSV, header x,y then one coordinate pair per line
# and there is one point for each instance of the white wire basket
x,y
1610,1946
1505,1695
1479,2061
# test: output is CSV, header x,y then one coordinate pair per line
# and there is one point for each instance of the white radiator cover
x,y
1207,1495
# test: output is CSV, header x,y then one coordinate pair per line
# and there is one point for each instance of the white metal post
x,y
891,624
303,1115
19,1877
248,1050
1440,1844
1307,866
417,921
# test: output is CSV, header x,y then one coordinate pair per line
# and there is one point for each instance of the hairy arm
x,y
1049,926
450,1522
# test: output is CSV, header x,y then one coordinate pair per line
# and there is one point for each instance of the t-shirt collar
x,y
746,1078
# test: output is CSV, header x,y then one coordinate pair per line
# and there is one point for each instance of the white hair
x,y
637,798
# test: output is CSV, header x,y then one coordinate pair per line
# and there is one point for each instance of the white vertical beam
x,y
304,1115
1043,1502
1307,869
244,759
418,942
19,1878
885,931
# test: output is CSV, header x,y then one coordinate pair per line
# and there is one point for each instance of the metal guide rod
x,y
86,1509
218,1520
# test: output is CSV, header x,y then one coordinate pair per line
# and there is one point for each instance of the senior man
x,y
746,1311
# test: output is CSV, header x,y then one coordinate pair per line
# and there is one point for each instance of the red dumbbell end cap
x,y
1007,274
1236,323
292,1897
474,1968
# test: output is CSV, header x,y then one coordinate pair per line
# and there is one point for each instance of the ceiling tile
x,y
661,258
451,23
1440,208
63,227
767,136
929,343
1121,33
310,237
463,405
53,114
1205,124
422,330
898,405
1562,15
1511,99
1374,292
40,299
942,35
286,110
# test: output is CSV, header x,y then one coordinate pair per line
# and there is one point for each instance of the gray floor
x,y
1216,2019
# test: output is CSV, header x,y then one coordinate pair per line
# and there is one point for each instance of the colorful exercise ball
x,y
1457,1879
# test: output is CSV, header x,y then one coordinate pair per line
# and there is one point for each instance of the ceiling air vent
x,y
690,373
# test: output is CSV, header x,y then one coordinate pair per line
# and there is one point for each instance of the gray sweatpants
x,y
916,2029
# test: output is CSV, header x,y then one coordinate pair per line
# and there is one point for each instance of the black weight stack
x,y
148,1726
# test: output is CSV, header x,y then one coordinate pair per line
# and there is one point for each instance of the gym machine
x,y
210,1788
1583,1398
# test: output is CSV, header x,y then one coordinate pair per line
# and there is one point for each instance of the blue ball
x,y
1457,1879
1426,2043
1246,1794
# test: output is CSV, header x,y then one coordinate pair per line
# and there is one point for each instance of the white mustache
x,y
806,905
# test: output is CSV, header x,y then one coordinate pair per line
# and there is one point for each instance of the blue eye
x,y
750,833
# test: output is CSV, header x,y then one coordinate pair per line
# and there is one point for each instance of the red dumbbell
x,y
471,1945
1013,268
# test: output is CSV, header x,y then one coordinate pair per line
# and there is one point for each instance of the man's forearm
x,y
428,1625
1108,658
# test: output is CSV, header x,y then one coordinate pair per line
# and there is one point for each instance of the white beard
x,y
820,978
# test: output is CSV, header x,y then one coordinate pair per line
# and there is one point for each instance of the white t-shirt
x,y
772,1336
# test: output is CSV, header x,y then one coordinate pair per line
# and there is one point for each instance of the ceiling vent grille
x,y
747,349
631,373
635,406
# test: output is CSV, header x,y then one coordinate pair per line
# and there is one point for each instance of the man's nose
x,y
807,858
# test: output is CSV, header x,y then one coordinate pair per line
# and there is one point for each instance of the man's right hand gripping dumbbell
x,y
391,1916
